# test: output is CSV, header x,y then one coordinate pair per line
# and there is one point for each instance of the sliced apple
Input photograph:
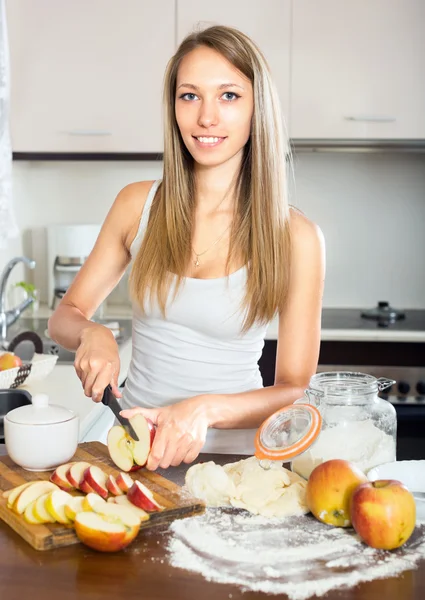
x,y
125,452
74,506
13,493
124,501
75,473
55,505
59,476
107,532
124,481
32,492
29,514
96,478
113,487
141,496
90,500
40,510
86,487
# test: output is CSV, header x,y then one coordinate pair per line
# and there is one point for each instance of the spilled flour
x,y
297,556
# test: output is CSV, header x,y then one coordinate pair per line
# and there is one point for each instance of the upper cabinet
x,y
358,69
86,75
267,23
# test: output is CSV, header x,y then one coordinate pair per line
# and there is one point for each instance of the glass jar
x,y
341,417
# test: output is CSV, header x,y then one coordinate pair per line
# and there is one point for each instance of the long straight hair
x,y
260,233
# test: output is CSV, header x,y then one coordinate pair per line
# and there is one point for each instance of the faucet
x,y
8,317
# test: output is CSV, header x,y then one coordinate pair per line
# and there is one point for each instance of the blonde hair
x,y
260,233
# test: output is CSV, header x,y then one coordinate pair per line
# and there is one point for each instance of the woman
x,y
216,254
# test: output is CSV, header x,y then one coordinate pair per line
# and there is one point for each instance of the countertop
x,y
368,332
142,571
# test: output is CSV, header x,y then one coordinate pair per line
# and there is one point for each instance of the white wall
x,y
371,208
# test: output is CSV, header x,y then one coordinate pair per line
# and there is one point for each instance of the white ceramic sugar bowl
x,y
39,436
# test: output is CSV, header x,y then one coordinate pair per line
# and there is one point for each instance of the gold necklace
x,y
198,254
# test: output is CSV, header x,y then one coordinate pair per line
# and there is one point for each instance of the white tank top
x,y
197,349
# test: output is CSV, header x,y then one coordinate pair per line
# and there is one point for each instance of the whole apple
x,y
329,491
8,360
383,513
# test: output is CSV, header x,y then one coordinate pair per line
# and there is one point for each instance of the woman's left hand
x,y
181,431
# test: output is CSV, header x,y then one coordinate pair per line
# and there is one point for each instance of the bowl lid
x,y
40,412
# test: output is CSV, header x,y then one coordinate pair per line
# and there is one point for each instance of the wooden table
x,y
142,572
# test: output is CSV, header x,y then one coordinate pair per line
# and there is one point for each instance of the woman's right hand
x,y
97,361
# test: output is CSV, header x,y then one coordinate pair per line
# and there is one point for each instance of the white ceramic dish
x,y
39,436
409,472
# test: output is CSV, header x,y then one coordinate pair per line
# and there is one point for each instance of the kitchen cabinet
x,y
267,23
358,69
87,75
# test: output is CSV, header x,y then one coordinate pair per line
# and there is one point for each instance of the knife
x,y
109,399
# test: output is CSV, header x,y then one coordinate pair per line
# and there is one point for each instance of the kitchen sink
x,y
26,348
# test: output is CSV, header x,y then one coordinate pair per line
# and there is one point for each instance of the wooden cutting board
x,y
177,503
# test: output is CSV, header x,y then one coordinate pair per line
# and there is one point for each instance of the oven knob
x,y
420,387
403,387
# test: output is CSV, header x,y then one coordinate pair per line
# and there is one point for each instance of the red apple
x,y
59,477
113,487
125,452
108,528
383,513
124,501
329,491
75,473
124,482
8,360
142,497
96,479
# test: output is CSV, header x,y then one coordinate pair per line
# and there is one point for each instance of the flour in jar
x,y
360,442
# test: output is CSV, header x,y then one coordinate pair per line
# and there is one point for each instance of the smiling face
x,y
214,107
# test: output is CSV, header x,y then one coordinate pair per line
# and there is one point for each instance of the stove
x,y
351,318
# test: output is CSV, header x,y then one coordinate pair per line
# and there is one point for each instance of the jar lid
x,y
40,412
288,432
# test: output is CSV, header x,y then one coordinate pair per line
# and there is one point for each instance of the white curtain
x,y
8,227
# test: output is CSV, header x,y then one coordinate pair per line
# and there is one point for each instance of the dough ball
x,y
210,482
272,492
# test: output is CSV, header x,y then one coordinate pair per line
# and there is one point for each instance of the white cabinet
x,y
358,69
86,75
266,22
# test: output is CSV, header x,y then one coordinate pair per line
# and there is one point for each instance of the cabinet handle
x,y
370,118
89,132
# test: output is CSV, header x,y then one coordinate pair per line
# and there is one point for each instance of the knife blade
x,y
109,399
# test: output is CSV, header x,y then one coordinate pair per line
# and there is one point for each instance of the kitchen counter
x,y
367,332
142,571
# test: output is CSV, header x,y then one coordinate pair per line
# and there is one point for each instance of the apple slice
x,y
86,487
125,452
75,473
55,505
29,514
96,478
13,493
124,481
90,500
59,476
74,506
32,492
107,532
141,496
113,487
40,510
124,501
